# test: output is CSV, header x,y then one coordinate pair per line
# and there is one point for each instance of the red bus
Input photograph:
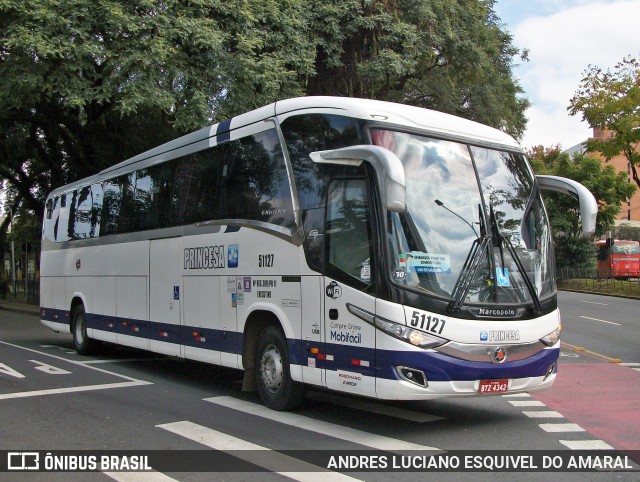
x,y
619,259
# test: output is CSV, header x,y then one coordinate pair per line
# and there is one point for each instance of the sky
x,y
565,37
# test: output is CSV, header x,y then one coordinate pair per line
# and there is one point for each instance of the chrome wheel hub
x,y
271,369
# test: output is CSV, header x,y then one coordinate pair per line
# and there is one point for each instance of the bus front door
x,y
349,338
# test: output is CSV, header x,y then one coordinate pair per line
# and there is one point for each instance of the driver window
x,y
349,240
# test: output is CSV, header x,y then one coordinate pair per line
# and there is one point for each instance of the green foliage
x,y
631,233
611,100
575,252
445,55
86,84
608,186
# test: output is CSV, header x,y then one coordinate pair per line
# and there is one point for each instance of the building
x,y
630,212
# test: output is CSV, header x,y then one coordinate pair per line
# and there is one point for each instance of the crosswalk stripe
x,y
526,403
331,429
586,444
375,407
256,454
561,427
543,414
139,477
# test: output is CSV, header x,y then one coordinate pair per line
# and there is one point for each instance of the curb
x,y
613,295
20,308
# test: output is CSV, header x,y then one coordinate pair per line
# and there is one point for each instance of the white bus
x,y
362,246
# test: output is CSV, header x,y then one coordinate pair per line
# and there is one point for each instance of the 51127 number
x,y
429,323
265,260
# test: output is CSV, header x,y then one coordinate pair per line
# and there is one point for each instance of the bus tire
x,y
273,378
81,341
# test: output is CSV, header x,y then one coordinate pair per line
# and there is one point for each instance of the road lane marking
x,y
591,353
131,382
543,414
353,435
594,302
84,388
140,476
256,454
374,407
603,321
586,444
526,403
516,395
561,427
122,360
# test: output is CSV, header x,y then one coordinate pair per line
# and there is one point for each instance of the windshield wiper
x,y
469,269
500,239
525,277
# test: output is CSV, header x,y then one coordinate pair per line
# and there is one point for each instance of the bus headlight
x,y
398,330
553,337
409,335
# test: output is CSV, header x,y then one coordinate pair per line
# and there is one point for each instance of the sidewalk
x,y
18,305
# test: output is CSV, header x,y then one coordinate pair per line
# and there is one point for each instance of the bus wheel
x,y
81,342
273,378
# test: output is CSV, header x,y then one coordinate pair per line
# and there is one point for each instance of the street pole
x,y
13,257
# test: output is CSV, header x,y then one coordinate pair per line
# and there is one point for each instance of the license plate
x,y
493,386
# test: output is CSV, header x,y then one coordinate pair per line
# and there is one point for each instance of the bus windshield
x,y
625,248
475,230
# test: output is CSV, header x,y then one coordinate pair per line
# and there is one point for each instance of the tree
x,y
608,186
611,100
445,55
85,84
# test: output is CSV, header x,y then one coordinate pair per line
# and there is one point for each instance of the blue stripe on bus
x,y
57,316
207,338
436,366
223,132
363,360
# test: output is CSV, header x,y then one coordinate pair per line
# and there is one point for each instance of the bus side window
x,y
117,205
66,217
255,181
80,216
144,201
317,132
51,218
349,243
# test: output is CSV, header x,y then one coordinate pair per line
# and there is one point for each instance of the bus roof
x,y
616,241
433,122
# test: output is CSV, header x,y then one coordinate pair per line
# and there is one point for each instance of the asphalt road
x,y
52,399
603,324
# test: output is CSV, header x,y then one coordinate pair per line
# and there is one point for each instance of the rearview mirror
x,y
588,204
389,170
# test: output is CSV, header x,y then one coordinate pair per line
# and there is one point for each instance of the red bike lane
x,y
603,398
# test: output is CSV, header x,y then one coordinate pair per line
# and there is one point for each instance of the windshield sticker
x,y
426,262
365,271
399,274
502,277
